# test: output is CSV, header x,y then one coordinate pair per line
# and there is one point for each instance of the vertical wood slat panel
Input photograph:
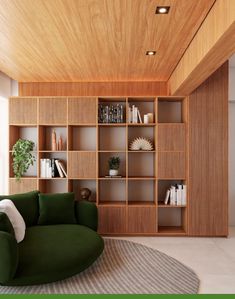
x,y
208,156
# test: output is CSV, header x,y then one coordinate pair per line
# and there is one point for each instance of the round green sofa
x,y
48,252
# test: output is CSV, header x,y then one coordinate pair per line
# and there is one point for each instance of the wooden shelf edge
x,y
24,178
141,204
112,203
171,206
171,230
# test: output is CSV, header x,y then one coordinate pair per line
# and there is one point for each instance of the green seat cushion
x,y
27,205
57,208
54,252
5,224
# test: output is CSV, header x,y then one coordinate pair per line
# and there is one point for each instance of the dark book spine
x,y
55,172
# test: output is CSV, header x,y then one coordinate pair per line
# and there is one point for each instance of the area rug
x,y
124,268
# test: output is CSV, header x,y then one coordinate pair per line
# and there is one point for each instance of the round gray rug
x,y
124,268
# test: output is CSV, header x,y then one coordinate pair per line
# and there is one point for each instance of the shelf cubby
x,y
53,185
104,166
112,101
112,192
23,132
147,132
171,110
163,186
45,137
172,220
82,138
141,192
62,156
112,138
76,185
145,105
141,165
171,137
31,172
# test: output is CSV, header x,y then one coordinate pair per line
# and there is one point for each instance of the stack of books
x,y
134,116
176,195
52,168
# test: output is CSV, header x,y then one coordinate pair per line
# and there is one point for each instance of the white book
x,y
49,172
58,168
167,197
184,195
178,197
42,168
140,119
133,114
62,168
47,167
172,196
136,115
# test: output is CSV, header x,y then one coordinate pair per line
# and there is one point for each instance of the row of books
x,y
134,116
52,168
176,195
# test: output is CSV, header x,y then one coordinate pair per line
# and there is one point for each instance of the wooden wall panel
x,y
208,156
141,220
171,137
82,112
23,111
138,88
112,220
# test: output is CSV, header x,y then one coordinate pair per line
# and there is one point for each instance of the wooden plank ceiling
x,y
95,40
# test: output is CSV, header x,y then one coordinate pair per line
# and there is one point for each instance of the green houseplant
x,y
22,157
114,163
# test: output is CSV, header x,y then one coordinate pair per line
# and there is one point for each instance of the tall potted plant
x,y
22,157
114,163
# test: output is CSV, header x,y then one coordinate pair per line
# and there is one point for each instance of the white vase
x,y
113,172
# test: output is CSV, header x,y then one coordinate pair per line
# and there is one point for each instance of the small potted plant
x,y
22,157
114,163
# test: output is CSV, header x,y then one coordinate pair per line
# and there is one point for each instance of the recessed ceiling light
x,y
163,10
150,53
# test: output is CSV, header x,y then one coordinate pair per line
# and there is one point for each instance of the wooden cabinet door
x,y
53,111
82,110
171,165
112,220
23,111
141,220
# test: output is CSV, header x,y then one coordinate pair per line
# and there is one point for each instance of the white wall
x,y
8,87
232,145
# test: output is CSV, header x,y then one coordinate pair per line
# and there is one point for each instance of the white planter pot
x,y
113,172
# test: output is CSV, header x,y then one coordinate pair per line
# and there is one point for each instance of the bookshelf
x,y
133,203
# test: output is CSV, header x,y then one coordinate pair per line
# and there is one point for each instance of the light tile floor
x,y
213,259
